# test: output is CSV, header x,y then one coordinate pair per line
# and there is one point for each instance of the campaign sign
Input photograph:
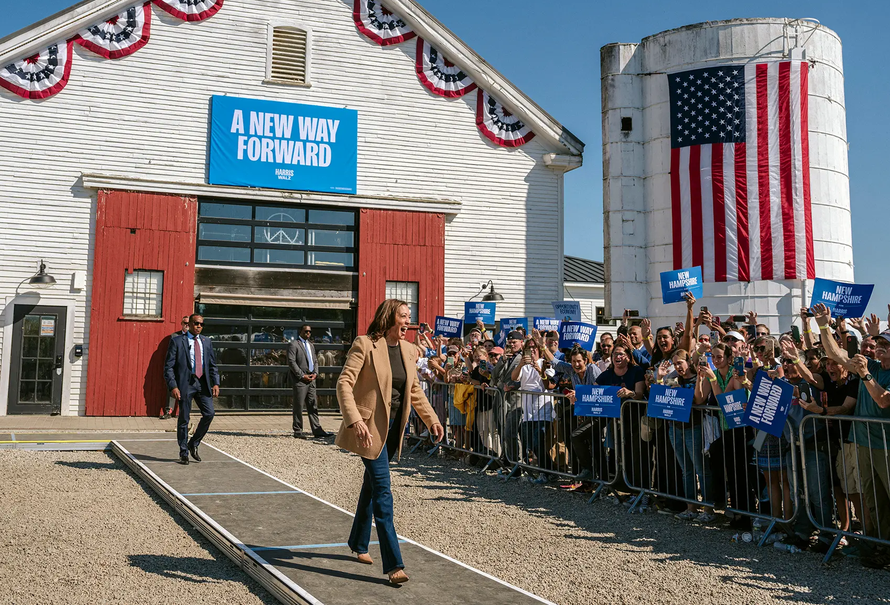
x,y
277,145
448,326
510,324
567,310
733,406
485,310
670,403
576,332
769,404
675,284
602,402
546,324
847,300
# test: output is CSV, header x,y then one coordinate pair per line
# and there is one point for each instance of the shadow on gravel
x,y
604,524
90,466
187,569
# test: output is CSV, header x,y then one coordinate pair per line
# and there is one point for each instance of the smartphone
x,y
622,330
795,333
810,313
840,318
424,327
633,313
739,319
449,361
702,362
704,309
738,364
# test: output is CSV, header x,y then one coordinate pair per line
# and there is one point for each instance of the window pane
x,y
238,211
31,326
279,235
224,233
331,357
331,217
278,257
29,369
332,335
330,259
271,402
268,334
327,380
224,333
45,369
227,311
277,313
26,391
44,391
327,315
407,291
143,293
269,380
47,347
281,215
343,239
231,357
268,357
233,380
222,253
230,402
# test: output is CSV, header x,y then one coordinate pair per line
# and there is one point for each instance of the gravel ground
x,y
78,527
553,544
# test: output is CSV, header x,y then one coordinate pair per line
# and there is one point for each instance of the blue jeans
x,y
688,447
376,498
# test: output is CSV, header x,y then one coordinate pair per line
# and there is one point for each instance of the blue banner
x,y
769,404
670,403
485,310
449,327
576,332
277,145
733,406
546,324
674,284
508,325
567,310
846,300
602,402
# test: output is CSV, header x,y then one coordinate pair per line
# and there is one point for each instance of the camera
x,y
633,313
739,319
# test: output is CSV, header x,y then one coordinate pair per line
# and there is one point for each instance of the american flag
x,y
740,172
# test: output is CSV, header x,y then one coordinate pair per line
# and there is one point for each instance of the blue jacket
x,y
178,372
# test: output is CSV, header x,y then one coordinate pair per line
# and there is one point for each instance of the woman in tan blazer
x,y
376,390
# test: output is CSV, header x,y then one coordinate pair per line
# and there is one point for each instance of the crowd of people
x,y
511,408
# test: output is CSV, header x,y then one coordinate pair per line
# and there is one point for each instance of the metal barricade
x,y
705,464
846,472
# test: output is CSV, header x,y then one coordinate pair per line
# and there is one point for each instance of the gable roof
x,y
65,23
582,270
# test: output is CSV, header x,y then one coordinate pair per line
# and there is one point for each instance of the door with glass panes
x,y
37,366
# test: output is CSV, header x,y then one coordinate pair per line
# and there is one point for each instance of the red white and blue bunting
x,y
498,124
41,75
190,10
438,74
122,35
380,24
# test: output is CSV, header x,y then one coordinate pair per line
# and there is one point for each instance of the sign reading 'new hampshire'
x,y
597,401
675,285
847,300
276,145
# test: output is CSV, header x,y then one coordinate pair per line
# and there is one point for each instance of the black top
x,y
837,394
399,378
629,380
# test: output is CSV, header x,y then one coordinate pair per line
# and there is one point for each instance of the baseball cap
x,y
884,335
453,349
736,335
497,350
515,335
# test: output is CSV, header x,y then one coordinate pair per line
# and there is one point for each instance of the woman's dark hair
x,y
384,318
658,355
577,350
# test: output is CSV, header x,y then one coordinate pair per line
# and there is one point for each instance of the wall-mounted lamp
x,y
492,296
42,278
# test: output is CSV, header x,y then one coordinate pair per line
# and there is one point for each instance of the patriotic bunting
x,y
379,24
498,124
438,74
41,75
119,36
190,10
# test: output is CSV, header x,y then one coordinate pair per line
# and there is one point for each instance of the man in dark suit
x,y
303,365
171,401
191,373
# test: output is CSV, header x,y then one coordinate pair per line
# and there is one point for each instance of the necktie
x,y
199,362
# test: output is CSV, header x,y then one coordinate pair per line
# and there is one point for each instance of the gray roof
x,y
583,270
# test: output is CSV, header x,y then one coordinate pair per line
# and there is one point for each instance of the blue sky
x,y
551,51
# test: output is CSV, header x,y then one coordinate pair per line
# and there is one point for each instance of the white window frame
x,y
403,286
270,29
151,302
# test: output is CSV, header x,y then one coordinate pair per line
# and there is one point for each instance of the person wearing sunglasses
x,y
303,363
191,373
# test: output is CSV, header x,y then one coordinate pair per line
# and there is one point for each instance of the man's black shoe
x,y
193,450
879,561
183,460
322,434
300,435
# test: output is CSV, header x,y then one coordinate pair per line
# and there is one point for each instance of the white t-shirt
x,y
534,407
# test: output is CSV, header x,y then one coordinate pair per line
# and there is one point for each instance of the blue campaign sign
x,y
847,300
576,332
448,326
733,406
769,404
670,403
674,284
546,324
567,310
485,310
508,325
602,402
277,145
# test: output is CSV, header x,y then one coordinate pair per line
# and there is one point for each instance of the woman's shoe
x,y
363,557
398,577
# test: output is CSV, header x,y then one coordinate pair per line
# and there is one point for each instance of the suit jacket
x,y
364,390
296,359
178,371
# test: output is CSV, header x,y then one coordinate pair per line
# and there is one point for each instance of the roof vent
x,y
288,60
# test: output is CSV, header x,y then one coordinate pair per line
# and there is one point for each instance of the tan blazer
x,y
364,390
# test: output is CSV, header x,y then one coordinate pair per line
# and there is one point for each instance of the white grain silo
x,y
637,162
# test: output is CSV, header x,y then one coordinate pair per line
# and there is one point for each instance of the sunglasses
x,y
199,323
760,349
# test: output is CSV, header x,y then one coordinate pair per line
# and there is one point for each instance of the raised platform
x,y
290,541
